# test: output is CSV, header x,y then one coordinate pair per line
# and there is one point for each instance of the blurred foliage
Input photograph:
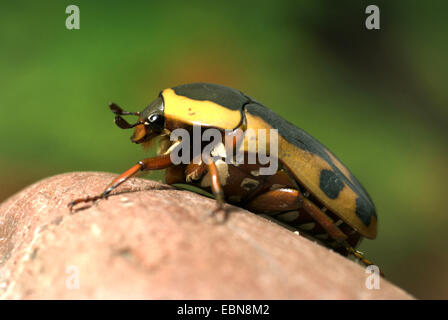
x,y
377,99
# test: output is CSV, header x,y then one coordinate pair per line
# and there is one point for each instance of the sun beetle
x,y
311,191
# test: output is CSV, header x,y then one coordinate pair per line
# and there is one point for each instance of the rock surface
x,y
152,241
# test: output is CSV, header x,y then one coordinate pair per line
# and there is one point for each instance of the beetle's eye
x,y
156,121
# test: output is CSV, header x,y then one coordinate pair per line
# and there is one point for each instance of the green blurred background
x,y
377,99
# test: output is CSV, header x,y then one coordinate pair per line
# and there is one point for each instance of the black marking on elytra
x,y
330,184
222,95
365,211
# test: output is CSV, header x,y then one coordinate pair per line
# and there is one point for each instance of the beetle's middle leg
x,y
155,163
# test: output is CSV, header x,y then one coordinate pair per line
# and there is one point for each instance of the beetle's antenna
x,y
118,111
123,124
119,121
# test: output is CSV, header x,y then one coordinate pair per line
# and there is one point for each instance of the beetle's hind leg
x,y
360,256
334,231
289,199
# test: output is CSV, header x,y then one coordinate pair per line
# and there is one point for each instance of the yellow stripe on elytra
x,y
197,112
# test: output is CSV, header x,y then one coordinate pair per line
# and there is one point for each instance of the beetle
x,y
311,190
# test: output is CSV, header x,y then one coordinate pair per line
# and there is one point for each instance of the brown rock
x,y
155,242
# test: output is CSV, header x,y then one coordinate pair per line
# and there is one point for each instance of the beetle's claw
x,y
214,213
94,200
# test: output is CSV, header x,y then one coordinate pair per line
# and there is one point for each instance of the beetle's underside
x,y
278,196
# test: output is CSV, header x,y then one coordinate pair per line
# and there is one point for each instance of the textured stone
x,y
152,241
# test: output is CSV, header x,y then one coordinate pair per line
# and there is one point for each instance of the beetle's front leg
x,y
159,162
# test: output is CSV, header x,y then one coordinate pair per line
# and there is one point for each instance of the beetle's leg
x,y
360,256
333,230
324,221
318,215
275,201
288,199
159,162
216,186
195,170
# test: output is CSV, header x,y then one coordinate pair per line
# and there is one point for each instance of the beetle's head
x,y
150,124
